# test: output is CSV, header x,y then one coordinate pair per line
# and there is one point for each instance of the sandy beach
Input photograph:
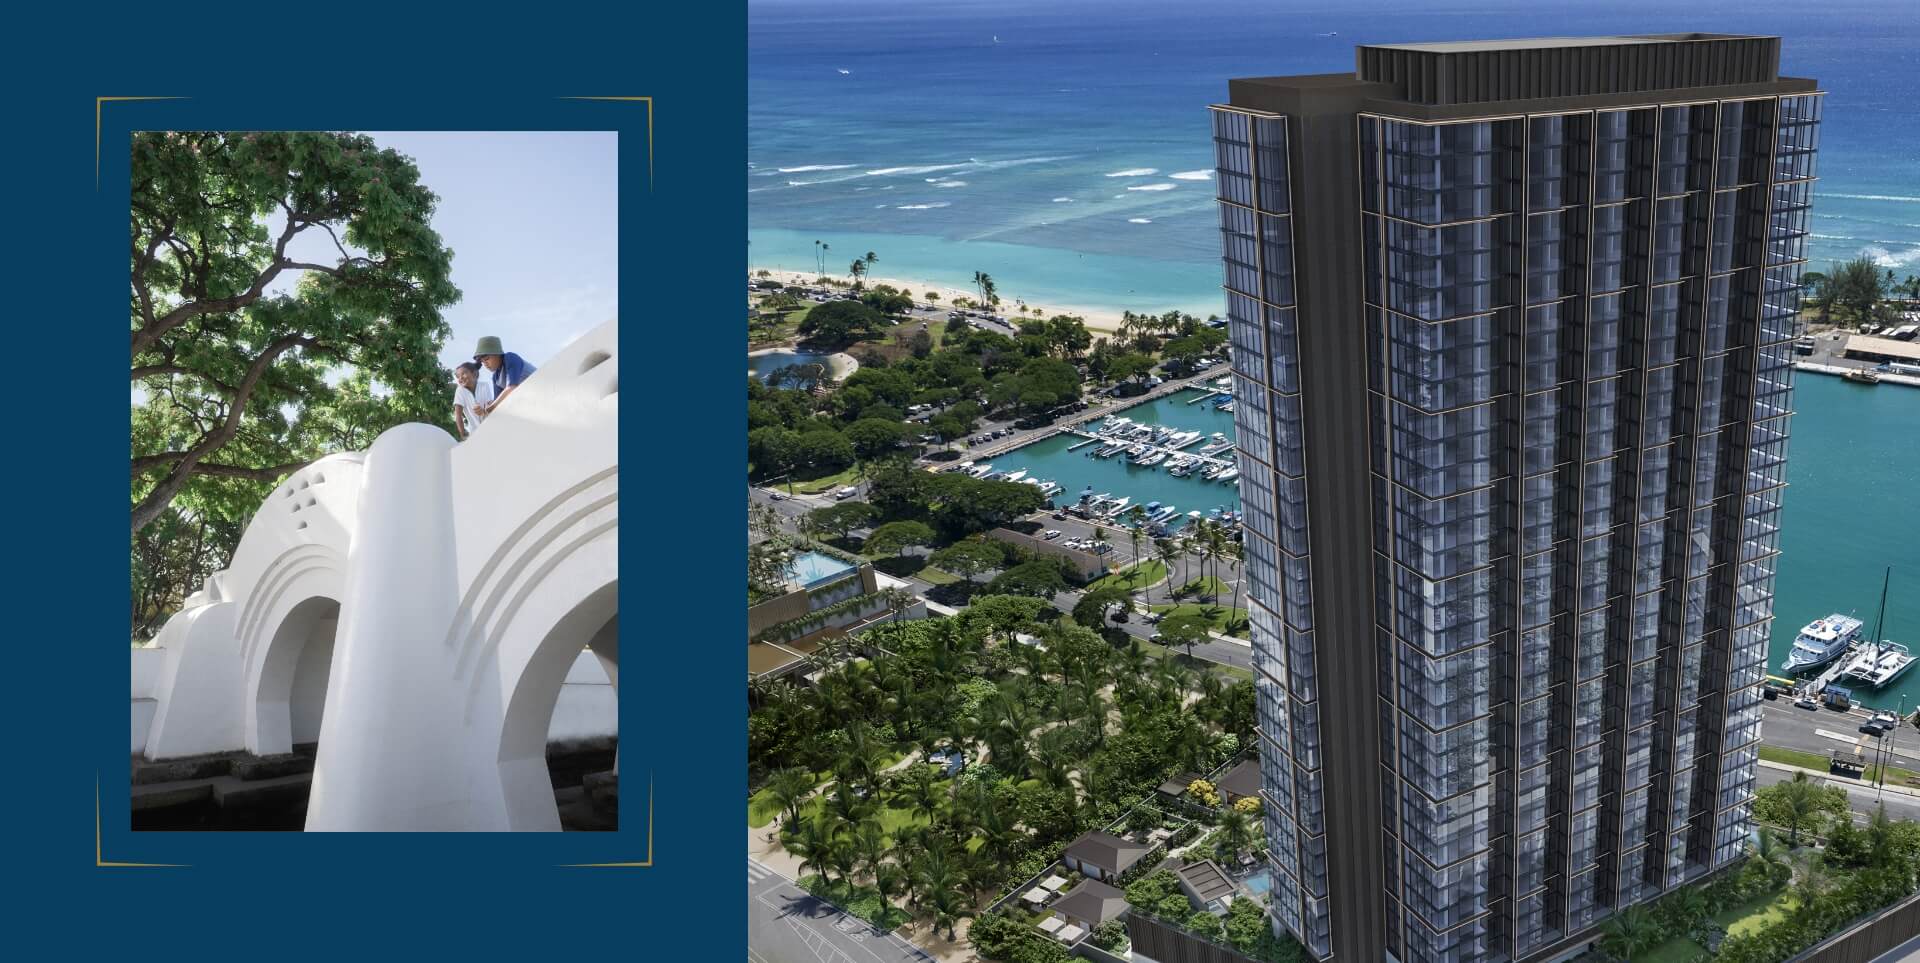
x,y
1099,320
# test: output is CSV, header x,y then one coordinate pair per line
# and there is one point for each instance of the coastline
x,y
1105,321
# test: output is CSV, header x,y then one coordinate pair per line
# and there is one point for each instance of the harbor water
x,y
1852,509
1078,470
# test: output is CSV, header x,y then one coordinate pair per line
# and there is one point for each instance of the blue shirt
x,y
513,370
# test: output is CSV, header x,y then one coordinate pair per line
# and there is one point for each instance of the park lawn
x,y
1895,776
1761,911
1791,757
1218,616
762,808
934,576
1205,585
839,479
1132,577
1156,651
1676,950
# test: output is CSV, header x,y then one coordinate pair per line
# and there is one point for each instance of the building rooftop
x,y
1107,851
1092,902
1242,780
1888,347
1554,43
1205,881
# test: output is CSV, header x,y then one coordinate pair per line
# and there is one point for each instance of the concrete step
x,y
161,795
272,767
229,792
147,772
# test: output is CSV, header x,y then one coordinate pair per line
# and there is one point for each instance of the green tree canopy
x,y
238,380
840,322
894,537
1039,578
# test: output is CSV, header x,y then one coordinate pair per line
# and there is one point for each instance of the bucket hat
x,y
488,345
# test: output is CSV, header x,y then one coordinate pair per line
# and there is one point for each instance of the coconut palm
x,y
1168,552
1770,856
1236,831
940,888
857,269
815,847
1629,933
790,787
869,845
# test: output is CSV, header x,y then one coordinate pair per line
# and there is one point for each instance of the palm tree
x,y
1769,856
940,888
1236,553
1629,933
790,787
869,845
921,791
824,248
1236,831
1168,552
857,269
815,846
1801,799
868,261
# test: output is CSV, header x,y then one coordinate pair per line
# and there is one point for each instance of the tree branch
x,y
151,332
146,463
150,507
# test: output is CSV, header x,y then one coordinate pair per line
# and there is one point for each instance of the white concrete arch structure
x,y
438,593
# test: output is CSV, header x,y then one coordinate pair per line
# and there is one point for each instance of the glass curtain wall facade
x,y
1256,240
1578,331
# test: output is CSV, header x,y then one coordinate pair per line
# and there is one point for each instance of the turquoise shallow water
x,y
1075,470
1852,509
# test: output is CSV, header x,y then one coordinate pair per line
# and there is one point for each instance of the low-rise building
x,y
1103,856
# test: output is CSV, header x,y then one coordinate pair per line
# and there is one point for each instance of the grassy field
x,y
1761,911
839,479
1132,577
1217,616
762,808
934,576
1794,757
1230,672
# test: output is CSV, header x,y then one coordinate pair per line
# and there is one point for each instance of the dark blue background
x,y
65,669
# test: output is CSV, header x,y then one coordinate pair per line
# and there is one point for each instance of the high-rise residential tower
x,y
1511,326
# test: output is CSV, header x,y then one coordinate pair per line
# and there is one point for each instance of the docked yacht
x,y
1822,641
1878,664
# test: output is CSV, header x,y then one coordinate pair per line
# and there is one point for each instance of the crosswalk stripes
x,y
756,872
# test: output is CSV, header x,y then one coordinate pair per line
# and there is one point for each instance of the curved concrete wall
x,y
435,596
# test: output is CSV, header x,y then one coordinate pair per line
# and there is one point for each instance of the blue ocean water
x,y
905,129
1069,159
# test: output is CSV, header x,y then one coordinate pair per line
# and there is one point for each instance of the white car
x,y
1050,534
845,493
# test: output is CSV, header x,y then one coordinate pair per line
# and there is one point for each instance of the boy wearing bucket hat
x,y
509,370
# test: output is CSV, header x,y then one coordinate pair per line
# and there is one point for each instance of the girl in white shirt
x,y
466,404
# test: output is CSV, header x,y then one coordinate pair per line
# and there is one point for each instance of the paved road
x,y
787,925
1824,730
1864,798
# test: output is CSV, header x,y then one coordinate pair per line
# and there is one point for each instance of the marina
x,y
1169,455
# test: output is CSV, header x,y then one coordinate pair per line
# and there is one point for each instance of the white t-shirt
x,y
465,400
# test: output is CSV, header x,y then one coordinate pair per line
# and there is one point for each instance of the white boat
x,y
1821,642
1016,476
1878,665
1228,475
1117,506
1153,459
981,471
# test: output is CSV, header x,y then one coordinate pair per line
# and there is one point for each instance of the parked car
x,y
1060,516
1875,727
845,493
1153,618
1806,702
1050,534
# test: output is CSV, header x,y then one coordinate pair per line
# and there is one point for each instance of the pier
x,y
1886,377
1150,446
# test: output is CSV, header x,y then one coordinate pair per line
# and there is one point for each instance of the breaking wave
x,y
1192,175
1154,187
1135,172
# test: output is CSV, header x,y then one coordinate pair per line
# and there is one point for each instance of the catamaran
x,y
1821,642
1879,662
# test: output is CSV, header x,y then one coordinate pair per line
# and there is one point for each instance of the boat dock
x,y
1076,446
1886,378
1169,452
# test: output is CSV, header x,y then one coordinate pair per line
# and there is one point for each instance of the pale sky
x,y
533,220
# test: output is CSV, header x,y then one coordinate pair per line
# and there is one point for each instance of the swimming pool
x,y
809,569
1259,883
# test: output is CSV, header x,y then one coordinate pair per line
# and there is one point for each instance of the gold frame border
x,y
98,102
98,859
648,100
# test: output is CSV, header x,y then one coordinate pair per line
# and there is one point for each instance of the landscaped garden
x,y
1786,895
1058,737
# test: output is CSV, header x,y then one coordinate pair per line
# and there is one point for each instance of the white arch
x,y
513,571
